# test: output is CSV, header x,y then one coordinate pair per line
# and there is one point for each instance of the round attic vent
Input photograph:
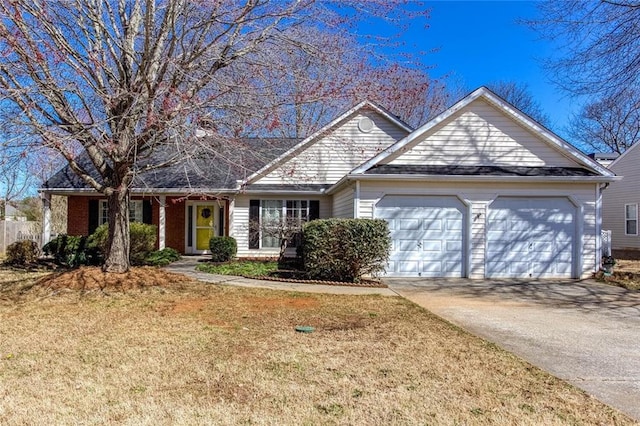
x,y
365,124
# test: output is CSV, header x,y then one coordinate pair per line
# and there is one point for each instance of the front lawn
x,y
85,348
240,268
626,272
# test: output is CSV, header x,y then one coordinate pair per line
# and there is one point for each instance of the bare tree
x,y
598,44
15,181
608,125
120,80
519,95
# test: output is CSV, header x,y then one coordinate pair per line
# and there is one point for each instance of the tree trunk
x,y
117,256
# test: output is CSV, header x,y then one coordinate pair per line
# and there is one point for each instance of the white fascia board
x,y
546,135
418,132
311,139
138,191
485,178
339,183
279,192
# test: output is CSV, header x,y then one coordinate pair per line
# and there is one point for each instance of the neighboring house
x,y
12,213
480,191
621,200
604,158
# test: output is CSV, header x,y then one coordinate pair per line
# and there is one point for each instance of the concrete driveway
x,y
583,332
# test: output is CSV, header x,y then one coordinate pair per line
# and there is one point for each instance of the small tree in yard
x,y
119,81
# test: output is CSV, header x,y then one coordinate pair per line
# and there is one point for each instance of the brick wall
x,y
78,218
175,224
78,215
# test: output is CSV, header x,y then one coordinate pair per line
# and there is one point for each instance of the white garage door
x,y
530,238
427,235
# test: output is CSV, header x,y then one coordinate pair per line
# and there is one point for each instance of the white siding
x,y
477,243
332,156
240,221
476,194
614,198
480,135
343,203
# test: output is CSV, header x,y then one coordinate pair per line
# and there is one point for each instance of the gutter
x,y
478,178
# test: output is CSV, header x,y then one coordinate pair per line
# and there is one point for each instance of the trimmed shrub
x,y
142,240
345,249
162,257
223,249
22,252
71,251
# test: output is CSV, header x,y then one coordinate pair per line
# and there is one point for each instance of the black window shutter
x,y
314,209
254,224
221,222
93,215
147,215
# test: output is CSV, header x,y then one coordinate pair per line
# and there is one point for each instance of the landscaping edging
x,y
369,283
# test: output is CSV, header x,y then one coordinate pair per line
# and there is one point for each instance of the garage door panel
x,y
432,225
409,224
534,236
411,267
432,246
432,266
454,246
407,245
427,234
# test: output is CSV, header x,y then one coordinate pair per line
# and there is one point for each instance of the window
x,y
631,219
135,211
270,220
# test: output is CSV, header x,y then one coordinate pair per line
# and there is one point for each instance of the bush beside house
x,y
345,249
22,252
73,251
223,249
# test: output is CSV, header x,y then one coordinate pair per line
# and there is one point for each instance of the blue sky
x,y
481,41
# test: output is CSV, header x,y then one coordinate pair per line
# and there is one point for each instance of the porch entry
x,y
204,220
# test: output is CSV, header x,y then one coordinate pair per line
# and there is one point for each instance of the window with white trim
x,y
135,211
280,218
631,219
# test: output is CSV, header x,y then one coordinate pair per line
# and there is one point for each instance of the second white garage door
x,y
427,234
530,238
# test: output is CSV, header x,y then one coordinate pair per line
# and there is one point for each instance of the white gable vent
x,y
365,124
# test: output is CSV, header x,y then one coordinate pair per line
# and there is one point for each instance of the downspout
x,y
162,225
46,219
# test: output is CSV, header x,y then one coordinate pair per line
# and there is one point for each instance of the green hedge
x,y
71,251
142,241
162,257
223,249
345,249
22,252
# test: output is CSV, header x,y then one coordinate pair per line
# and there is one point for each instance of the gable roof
x,y
624,154
211,171
305,143
527,122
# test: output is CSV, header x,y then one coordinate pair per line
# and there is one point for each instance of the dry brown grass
x,y
626,272
180,352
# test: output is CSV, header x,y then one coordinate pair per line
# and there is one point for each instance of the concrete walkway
x,y
187,266
585,333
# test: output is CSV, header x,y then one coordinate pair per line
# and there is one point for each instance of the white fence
x,y
12,231
605,238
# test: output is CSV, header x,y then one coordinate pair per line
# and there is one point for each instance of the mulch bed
x,y
363,283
